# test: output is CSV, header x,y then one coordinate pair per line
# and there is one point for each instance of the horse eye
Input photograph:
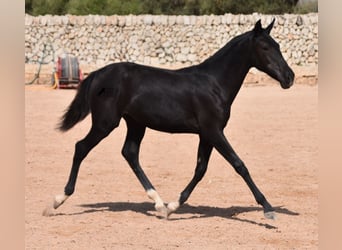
x,y
265,48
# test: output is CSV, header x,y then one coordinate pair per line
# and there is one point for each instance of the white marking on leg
x,y
159,204
59,200
172,207
153,195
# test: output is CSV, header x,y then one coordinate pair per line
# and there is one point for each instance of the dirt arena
x,y
273,130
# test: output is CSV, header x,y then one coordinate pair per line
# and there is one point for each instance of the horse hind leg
x,y
82,148
130,151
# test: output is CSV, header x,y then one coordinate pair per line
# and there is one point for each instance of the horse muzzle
x,y
287,79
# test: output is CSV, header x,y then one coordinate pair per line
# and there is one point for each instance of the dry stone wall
x,y
161,40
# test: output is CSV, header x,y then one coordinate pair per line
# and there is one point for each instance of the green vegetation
x,y
167,7
306,8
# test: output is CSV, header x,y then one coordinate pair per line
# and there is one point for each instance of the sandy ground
x,y
273,130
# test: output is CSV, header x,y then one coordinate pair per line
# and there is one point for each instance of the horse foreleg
x,y
130,151
203,155
223,147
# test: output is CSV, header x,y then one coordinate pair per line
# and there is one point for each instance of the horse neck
x,y
229,66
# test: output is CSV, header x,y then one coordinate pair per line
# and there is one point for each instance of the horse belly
x,y
164,114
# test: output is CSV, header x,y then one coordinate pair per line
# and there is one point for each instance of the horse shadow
x,y
185,212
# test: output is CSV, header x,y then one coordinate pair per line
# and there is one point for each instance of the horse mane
x,y
229,45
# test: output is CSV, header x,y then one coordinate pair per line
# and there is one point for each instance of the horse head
x,y
267,56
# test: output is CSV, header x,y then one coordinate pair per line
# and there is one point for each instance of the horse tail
x,y
79,107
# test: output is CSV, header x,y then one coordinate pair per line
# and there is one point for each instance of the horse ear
x,y
270,26
257,28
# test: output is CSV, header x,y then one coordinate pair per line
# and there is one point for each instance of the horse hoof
x,y
59,200
48,211
172,207
162,210
270,215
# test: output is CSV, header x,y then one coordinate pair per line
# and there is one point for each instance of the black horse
x,y
195,99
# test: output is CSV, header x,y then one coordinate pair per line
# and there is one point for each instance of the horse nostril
x,y
290,76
